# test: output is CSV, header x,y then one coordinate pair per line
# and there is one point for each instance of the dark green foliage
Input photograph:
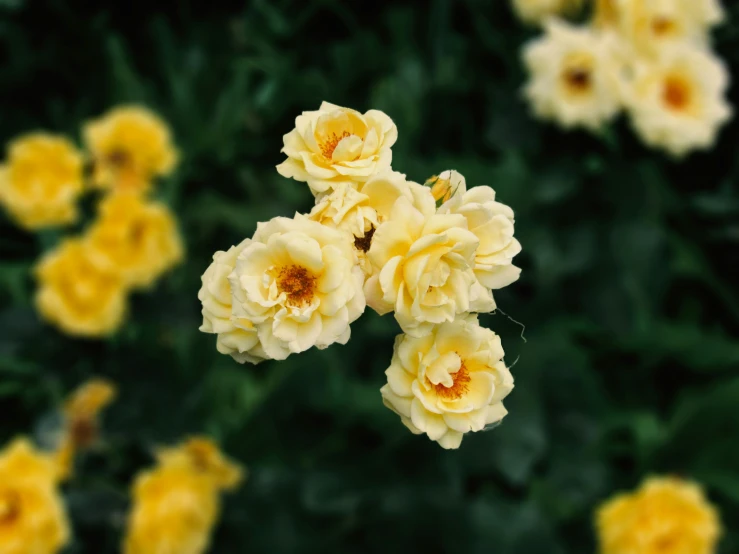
x,y
629,290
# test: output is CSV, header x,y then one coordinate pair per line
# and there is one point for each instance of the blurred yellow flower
x,y
664,516
176,504
41,181
32,515
129,145
575,76
135,238
678,102
537,11
448,382
76,295
333,145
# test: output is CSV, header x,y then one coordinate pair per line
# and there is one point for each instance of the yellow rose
x,y
333,145
360,209
135,238
423,266
298,284
129,145
32,516
176,504
76,295
665,516
492,223
677,102
237,338
41,181
448,382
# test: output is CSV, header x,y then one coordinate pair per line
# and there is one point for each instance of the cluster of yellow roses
x,y
84,281
175,504
651,58
431,254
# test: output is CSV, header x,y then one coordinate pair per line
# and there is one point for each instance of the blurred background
x,y
628,294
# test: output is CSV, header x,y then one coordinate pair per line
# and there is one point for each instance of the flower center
x,y
10,506
578,79
83,432
460,385
665,544
118,158
364,242
330,144
297,283
676,93
662,26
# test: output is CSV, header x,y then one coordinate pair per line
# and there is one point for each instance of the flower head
x,y
203,456
536,12
664,516
298,283
129,145
76,295
424,266
333,145
575,76
677,101
41,181
449,382
32,515
134,238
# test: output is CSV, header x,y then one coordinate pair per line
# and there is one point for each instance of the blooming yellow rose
x,y
41,181
129,145
360,209
135,238
236,337
537,11
203,456
424,266
677,102
492,224
32,515
575,76
333,145
298,284
448,382
76,295
665,516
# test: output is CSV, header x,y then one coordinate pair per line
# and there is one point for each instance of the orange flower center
x,y
118,158
662,26
10,506
364,242
676,93
298,283
330,144
460,385
578,79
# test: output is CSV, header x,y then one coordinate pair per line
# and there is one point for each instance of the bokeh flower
x,y
299,284
677,102
236,337
333,145
664,516
176,504
424,267
32,515
449,382
537,11
135,238
41,181
129,145
493,225
574,76
76,295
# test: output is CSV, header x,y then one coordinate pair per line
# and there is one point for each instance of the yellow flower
x,y
134,238
299,285
41,181
176,504
574,76
32,515
360,209
537,11
677,102
665,516
423,266
237,338
334,145
129,145
448,382
75,295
